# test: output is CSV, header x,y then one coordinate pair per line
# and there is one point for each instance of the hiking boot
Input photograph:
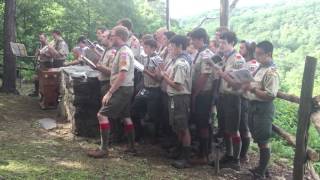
x,y
181,164
98,153
257,174
184,161
234,164
175,153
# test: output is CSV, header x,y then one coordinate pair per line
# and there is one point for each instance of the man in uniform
x,y
116,102
160,38
134,44
133,41
42,61
202,79
178,80
229,105
59,50
261,93
147,101
104,65
99,34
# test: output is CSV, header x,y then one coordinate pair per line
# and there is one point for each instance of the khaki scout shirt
x,y
252,66
266,78
106,60
179,71
134,44
232,62
203,65
62,47
151,64
123,61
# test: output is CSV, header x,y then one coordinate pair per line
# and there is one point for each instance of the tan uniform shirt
x,y
123,61
203,65
179,71
62,47
234,62
134,44
266,78
106,60
252,66
151,64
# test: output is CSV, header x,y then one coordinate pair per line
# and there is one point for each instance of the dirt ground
x,y
29,152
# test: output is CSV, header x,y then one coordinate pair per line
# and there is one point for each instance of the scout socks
x,y
129,131
236,142
245,146
228,143
204,147
264,159
105,133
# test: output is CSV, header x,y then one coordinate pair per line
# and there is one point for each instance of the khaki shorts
x,y
119,104
179,112
260,120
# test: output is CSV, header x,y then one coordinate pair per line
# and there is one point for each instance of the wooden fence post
x,y
224,13
304,114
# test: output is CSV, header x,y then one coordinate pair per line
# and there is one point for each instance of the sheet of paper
x,y
242,75
138,66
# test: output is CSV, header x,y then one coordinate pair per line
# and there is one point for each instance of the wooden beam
x,y
291,140
304,113
233,5
224,13
288,97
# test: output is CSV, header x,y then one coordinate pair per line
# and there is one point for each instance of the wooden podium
x,y
49,83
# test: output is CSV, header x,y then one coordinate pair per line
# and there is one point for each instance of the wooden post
x,y
224,13
168,15
304,113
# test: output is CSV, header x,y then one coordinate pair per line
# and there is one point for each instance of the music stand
x,y
19,50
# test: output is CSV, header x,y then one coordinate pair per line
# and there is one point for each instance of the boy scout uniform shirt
x,y
134,44
179,71
267,79
203,65
232,62
62,47
123,61
106,61
151,64
252,66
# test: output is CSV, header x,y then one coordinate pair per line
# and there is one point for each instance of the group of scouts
x,y
181,84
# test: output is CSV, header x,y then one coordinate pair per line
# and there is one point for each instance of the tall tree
x,y
9,70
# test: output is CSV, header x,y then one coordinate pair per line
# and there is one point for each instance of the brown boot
x,y
98,153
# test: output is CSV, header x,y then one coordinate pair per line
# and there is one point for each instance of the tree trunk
x,y
224,13
9,61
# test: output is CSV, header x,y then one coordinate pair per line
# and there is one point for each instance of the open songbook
x,y
242,76
138,66
88,62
